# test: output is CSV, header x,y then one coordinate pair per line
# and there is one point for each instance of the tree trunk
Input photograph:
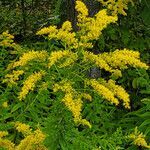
x,y
24,22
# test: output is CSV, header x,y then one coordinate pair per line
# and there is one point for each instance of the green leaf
x,y
9,115
145,115
16,107
147,91
145,14
146,122
134,83
139,82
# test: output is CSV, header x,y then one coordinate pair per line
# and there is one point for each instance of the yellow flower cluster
x,y
119,92
4,142
29,84
69,61
113,61
139,139
32,140
31,55
6,35
66,26
102,90
64,34
86,96
7,144
23,128
72,101
90,28
116,6
56,55
3,133
64,86
6,39
97,24
74,105
122,58
5,104
47,30
12,78
43,86
82,9
90,57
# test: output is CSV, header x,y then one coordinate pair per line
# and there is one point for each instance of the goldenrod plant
x,y
54,86
76,52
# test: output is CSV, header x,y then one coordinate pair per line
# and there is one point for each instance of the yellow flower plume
x,y
29,84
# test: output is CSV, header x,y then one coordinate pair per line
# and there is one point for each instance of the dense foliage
x,y
80,85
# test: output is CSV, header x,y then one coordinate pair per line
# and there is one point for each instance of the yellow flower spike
x,y
3,133
123,58
48,30
67,38
32,141
82,9
89,56
6,39
64,86
39,136
90,28
85,122
12,78
139,139
69,61
31,55
72,101
64,34
103,91
119,92
29,84
4,143
57,55
67,26
73,105
116,6
101,21
23,128
7,35
86,96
